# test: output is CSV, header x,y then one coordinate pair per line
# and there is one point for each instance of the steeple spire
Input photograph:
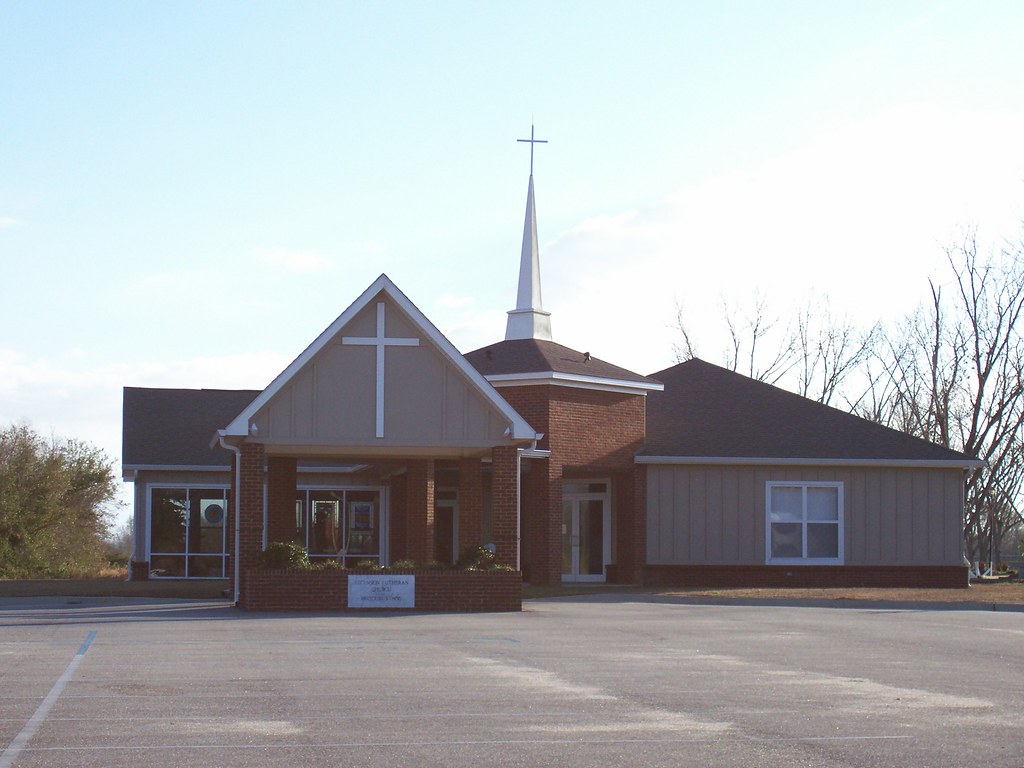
x,y
529,320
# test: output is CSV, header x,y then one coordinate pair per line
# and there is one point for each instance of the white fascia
x,y
818,462
575,381
131,470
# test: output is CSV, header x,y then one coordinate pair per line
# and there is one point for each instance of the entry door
x,y
446,527
586,536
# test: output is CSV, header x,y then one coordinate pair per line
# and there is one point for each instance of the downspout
x,y
519,508
238,493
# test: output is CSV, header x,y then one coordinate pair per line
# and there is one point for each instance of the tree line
x,y
949,372
56,499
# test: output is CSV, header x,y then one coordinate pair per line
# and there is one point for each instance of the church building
x,y
383,446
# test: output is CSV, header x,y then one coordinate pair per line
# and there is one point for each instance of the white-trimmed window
x,y
804,522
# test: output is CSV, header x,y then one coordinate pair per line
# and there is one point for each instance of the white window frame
x,y
803,485
384,519
187,488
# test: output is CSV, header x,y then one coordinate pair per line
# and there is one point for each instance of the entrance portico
x,y
384,405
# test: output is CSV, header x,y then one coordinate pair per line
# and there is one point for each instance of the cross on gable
x,y
380,342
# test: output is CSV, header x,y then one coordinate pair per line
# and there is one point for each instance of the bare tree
x,y
951,373
829,351
815,356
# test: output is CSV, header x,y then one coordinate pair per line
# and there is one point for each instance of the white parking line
x,y
26,733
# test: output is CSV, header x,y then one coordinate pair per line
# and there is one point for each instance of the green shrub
x,y
370,565
284,554
330,565
478,558
404,564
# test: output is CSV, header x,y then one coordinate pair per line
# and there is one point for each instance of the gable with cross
x,y
380,378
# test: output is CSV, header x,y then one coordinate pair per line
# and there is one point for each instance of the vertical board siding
x,y
872,517
716,515
698,516
730,532
680,524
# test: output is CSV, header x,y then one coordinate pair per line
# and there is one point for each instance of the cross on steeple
x,y
531,141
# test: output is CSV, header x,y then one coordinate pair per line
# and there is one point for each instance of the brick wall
x,y
282,478
448,591
592,434
419,509
471,503
804,576
503,504
250,505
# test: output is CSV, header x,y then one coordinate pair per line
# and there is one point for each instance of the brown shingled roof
x,y
541,356
174,426
708,411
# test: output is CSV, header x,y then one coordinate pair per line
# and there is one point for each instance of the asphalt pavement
x,y
600,680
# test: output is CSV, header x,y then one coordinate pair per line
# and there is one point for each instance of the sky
x,y
190,192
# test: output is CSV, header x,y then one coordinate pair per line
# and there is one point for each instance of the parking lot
x,y
590,681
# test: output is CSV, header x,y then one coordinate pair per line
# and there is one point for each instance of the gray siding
x,y
716,514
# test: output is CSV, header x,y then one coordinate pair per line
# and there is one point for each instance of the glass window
x,y
804,522
187,532
343,524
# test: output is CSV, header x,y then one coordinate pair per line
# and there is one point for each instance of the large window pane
x,y
787,540
325,527
786,503
206,522
822,503
167,565
168,519
363,522
822,540
206,567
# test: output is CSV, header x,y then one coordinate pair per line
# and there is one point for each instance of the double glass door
x,y
586,531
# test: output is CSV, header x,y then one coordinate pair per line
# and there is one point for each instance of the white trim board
x,y
574,380
818,462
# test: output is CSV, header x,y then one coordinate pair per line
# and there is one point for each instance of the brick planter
x,y
327,590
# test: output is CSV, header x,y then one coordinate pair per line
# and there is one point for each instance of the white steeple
x,y
529,320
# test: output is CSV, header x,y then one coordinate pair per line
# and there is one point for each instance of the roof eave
x,y
574,380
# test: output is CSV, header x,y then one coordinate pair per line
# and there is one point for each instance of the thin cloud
x,y
6,222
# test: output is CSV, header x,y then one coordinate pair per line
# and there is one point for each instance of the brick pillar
x,y
638,525
504,503
398,523
282,479
419,509
250,508
547,523
471,503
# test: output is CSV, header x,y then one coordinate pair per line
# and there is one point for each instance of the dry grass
x,y
113,587
1002,593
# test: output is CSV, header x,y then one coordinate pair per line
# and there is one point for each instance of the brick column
x,y
504,503
282,479
250,508
637,524
548,521
398,524
471,503
419,509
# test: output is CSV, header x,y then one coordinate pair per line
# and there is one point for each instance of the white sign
x,y
383,591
